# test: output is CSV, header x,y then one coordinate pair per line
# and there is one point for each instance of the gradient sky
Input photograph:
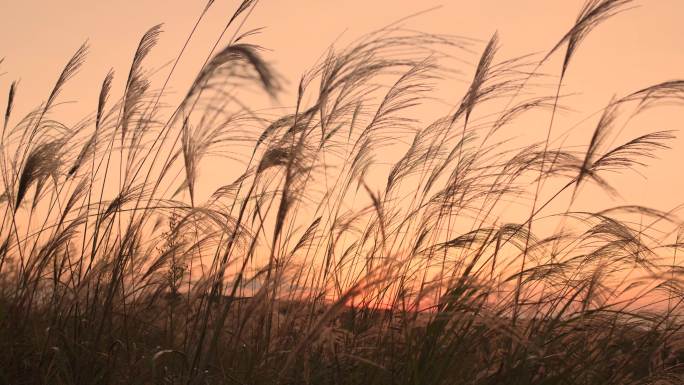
x,y
633,50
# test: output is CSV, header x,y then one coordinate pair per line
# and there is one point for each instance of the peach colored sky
x,y
630,51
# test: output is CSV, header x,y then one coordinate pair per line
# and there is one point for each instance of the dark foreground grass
x,y
463,261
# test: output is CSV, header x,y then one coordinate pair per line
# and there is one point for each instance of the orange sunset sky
x,y
635,49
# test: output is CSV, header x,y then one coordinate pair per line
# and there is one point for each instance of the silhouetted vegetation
x,y
320,263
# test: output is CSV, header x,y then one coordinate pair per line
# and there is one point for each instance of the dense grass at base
x,y
462,261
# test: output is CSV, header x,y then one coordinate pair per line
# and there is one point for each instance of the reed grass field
x,y
339,237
